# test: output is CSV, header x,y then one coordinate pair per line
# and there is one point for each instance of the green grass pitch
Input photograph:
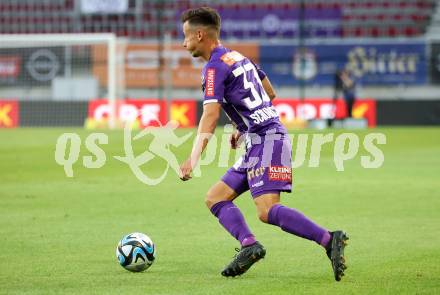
x,y
58,234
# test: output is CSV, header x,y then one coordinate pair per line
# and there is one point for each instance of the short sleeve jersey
x,y
234,81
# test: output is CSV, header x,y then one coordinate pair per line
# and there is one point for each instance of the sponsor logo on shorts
x,y
255,172
280,173
258,184
210,73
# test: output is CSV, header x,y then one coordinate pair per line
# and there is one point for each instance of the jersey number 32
x,y
257,98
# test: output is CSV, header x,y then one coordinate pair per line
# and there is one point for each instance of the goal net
x,y
53,77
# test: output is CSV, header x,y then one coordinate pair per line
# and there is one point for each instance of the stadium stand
x,y
434,28
386,18
360,18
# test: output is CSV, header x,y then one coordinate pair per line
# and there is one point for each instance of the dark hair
x,y
204,16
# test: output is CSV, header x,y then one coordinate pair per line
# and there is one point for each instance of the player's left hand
x,y
185,170
235,140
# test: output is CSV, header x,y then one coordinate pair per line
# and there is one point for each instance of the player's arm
x,y
207,124
208,121
268,88
266,82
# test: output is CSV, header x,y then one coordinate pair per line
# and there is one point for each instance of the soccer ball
x,y
136,252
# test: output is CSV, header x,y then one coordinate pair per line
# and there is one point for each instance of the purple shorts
x,y
264,168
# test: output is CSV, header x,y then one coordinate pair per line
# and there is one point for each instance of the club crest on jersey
x,y
280,173
210,76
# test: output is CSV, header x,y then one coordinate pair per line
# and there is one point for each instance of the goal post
x,y
27,75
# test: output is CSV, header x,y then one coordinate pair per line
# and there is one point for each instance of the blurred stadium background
x,y
66,64
392,48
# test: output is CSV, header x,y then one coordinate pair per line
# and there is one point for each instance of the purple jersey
x,y
234,81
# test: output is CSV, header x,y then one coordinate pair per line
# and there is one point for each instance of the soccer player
x,y
232,82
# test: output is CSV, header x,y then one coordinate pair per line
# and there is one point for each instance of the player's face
x,y
192,40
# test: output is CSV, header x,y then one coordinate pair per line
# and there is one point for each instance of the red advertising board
x,y
8,114
291,109
10,67
149,112
184,112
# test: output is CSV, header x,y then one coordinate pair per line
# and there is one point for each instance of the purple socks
x,y
294,222
233,221
290,220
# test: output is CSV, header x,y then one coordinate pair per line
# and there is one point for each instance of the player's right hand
x,y
234,140
185,170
